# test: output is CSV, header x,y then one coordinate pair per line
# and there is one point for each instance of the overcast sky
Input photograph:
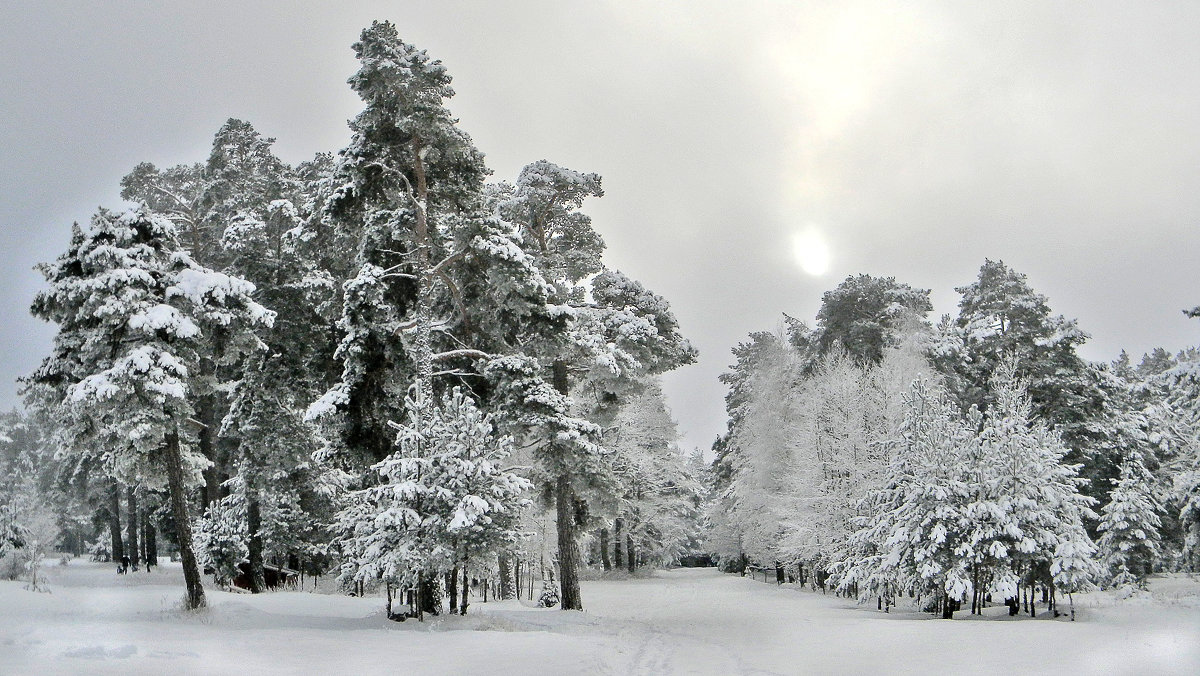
x,y
908,139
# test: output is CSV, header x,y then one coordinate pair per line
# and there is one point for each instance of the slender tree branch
x,y
464,352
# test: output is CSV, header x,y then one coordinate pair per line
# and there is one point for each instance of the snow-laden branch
x,y
436,325
440,268
462,352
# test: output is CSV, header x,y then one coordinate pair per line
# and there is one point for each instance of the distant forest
x,y
384,366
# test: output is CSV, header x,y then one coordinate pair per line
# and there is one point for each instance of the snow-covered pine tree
x,y
284,508
1180,388
972,512
544,209
405,179
833,424
86,466
657,504
220,537
265,240
133,311
617,331
764,467
33,512
438,285
12,533
234,213
14,478
1129,526
1028,518
724,536
865,314
1001,317
916,522
444,496
540,416
491,499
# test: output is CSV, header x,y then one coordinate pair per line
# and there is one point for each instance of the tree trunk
x,y
422,346
151,539
258,577
207,415
629,552
618,545
183,527
143,525
466,588
517,575
506,576
417,601
452,589
114,523
564,498
974,589
604,549
568,551
134,522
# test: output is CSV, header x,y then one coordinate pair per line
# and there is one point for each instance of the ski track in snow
x,y
675,622
660,651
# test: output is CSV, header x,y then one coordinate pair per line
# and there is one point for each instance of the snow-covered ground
x,y
677,622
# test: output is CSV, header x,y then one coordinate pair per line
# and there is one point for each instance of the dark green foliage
x,y
864,314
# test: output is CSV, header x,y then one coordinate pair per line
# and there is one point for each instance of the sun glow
x,y
811,251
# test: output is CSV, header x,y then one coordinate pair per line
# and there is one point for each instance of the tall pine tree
x,y
136,318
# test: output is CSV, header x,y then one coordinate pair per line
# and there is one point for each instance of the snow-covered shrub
x,y
99,551
33,569
12,533
549,596
31,530
220,538
1129,544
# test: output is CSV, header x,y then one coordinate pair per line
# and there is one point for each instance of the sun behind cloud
x,y
811,251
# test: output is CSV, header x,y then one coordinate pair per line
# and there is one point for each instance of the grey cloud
x,y
1060,138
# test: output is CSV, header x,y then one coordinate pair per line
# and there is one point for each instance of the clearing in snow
x,y
686,621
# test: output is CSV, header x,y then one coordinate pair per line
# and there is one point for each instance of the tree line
x,y
880,454
378,361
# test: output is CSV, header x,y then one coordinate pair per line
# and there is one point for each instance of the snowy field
x,y
695,621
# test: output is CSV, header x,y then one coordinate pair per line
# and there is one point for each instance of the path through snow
x,y
677,622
